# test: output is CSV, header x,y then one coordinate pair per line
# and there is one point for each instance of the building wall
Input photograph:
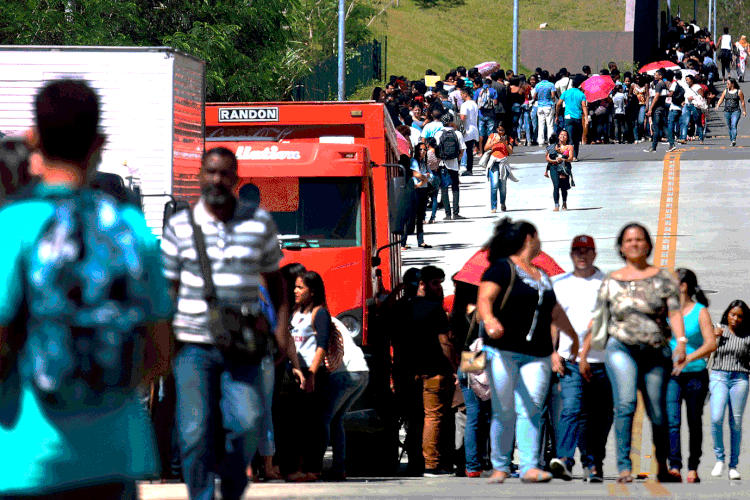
x,y
552,50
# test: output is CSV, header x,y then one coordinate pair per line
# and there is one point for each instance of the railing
x,y
363,64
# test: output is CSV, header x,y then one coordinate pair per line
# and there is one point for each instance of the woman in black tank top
x,y
732,98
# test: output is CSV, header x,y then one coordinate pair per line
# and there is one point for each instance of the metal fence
x,y
364,63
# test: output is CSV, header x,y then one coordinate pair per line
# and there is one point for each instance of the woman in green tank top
x,y
689,380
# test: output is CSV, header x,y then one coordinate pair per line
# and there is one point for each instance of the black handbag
x,y
235,331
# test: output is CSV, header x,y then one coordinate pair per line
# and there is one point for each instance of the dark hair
x,y
14,166
544,75
693,289
634,225
429,273
221,152
508,238
67,117
586,69
578,80
726,30
431,142
250,192
376,93
564,71
314,282
745,312
734,83
553,139
461,70
411,282
477,81
289,274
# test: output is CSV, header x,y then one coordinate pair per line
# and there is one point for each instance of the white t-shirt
x,y
577,296
563,84
455,98
471,110
451,164
726,42
354,358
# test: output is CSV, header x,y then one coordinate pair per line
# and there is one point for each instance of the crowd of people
x,y
565,358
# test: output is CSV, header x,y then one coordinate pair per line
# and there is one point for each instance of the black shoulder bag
x,y
235,332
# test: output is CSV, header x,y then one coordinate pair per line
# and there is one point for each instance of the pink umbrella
x,y
597,87
487,68
651,68
404,146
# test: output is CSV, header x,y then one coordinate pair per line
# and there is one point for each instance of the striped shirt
x,y
732,352
239,250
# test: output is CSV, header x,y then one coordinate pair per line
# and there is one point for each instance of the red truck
x,y
327,173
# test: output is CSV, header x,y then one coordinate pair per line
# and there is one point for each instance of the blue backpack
x,y
87,305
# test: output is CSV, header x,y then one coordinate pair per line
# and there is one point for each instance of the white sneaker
x,y
718,469
733,474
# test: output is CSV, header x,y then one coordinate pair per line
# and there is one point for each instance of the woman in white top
x,y
345,386
742,49
311,329
725,56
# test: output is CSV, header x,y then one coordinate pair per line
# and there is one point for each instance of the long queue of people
x,y
563,361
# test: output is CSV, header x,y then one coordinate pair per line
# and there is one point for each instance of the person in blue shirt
x,y
544,92
72,449
576,112
486,122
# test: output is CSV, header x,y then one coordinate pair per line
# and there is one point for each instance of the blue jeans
x,y
267,443
692,387
657,124
673,120
634,367
525,122
691,112
534,124
477,425
203,376
732,118
640,119
727,389
486,126
344,389
497,184
585,416
519,390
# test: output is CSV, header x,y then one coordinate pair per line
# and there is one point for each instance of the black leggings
x,y
725,56
559,185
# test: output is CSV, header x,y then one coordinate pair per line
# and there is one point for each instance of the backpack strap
x,y
209,290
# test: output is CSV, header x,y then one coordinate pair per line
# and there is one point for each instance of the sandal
x,y
498,477
406,247
539,477
625,477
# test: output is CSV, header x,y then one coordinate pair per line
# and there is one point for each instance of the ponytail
x,y
508,238
694,291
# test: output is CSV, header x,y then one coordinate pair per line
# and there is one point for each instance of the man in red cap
x,y
584,392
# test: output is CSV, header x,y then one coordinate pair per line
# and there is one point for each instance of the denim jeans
x,y
203,376
477,425
638,130
585,415
657,124
545,119
454,188
727,389
574,126
673,120
267,443
634,367
534,124
691,112
344,389
497,184
692,387
525,122
559,185
486,125
519,390
732,118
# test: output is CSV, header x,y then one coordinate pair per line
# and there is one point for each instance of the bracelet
x,y
682,339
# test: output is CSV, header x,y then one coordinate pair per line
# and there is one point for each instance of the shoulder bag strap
x,y
209,290
511,282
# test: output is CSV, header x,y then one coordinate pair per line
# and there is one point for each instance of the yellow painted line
x,y
618,490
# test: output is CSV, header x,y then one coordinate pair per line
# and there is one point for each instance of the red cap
x,y
583,241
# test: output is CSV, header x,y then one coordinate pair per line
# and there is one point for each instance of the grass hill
x,y
443,34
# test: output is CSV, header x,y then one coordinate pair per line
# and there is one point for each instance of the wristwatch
x,y
682,339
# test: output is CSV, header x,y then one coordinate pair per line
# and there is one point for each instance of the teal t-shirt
x,y
573,99
694,338
43,452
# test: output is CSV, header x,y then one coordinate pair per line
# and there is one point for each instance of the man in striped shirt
x,y
243,250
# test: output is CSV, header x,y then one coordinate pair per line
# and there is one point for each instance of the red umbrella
x,y
650,68
486,68
472,271
597,87
404,146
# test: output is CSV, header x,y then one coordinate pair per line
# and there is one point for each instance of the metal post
x,y
695,10
342,58
710,12
715,15
515,37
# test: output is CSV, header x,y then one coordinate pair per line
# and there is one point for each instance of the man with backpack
x,y
486,99
83,319
216,256
675,100
451,147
